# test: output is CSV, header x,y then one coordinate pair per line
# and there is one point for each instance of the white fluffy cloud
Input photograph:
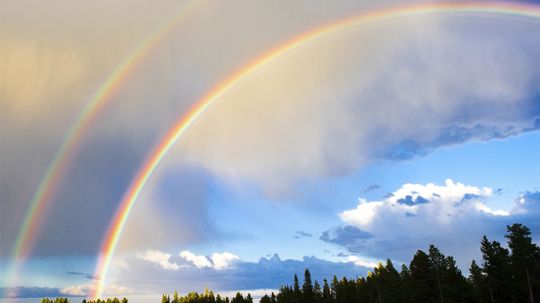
x,y
217,261
88,289
437,203
160,258
223,260
416,215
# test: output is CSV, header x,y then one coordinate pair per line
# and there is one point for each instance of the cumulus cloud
x,y
223,260
160,258
270,272
362,262
84,290
416,215
198,261
217,261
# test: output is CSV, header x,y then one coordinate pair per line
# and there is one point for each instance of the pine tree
x,y
317,292
265,299
522,262
496,267
437,262
297,293
326,294
423,283
307,288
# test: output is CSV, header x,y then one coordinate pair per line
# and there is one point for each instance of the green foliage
x,y
503,276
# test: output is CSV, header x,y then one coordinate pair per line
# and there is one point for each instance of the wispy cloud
x,y
302,234
87,276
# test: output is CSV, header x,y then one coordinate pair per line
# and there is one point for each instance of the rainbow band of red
x,y
182,125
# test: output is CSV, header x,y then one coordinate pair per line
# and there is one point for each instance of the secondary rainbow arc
x,y
182,125
63,157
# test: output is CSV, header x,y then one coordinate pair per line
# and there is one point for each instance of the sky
x,y
368,143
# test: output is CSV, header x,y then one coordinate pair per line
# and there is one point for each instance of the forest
x,y
504,275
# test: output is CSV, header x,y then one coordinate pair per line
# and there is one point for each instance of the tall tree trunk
x,y
439,284
531,296
491,293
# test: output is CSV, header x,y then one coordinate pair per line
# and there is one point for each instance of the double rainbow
x,y
182,125
63,157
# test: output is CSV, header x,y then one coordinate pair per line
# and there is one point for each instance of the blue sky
x,y
366,145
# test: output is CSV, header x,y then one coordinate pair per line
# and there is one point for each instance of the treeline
x,y
65,300
206,297
504,275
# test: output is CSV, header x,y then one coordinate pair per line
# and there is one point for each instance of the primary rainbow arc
x,y
53,175
182,125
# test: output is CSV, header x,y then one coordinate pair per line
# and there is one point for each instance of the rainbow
x,y
63,157
183,124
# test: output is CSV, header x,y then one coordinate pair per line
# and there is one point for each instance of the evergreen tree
x,y
437,262
265,299
326,294
496,267
406,282
390,281
317,292
307,288
297,298
238,298
423,284
523,262
334,289
478,281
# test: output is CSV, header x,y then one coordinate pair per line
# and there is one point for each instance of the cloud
x,y
362,262
85,290
31,292
302,234
345,235
271,272
198,261
371,188
416,215
415,98
217,261
160,258
223,260
87,276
